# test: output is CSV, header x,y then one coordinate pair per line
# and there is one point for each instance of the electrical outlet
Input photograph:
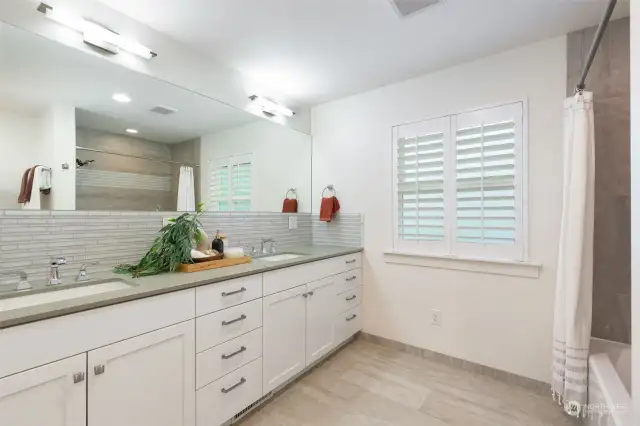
x,y
436,318
293,222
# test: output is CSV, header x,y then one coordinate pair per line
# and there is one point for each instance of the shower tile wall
x,y
609,80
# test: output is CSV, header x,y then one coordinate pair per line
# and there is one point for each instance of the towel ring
x,y
295,193
330,188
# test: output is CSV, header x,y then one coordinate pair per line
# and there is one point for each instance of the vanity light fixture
x,y
271,108
132,131
121,97
96,35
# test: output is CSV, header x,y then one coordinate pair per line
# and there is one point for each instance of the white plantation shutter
x,y
419,184
459,184
231,183
241,184
488,166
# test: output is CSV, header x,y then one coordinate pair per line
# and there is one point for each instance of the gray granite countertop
x,y
164,283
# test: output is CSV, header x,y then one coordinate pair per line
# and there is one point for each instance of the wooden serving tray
x,y
197,267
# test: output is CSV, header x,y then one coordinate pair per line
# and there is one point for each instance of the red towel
x,y
290,205
328,207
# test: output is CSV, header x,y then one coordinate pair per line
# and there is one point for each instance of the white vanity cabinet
x,y
301,323
51,395
192,357
146,380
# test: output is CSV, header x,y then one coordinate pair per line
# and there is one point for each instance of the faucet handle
x,y
59,260
83,275
24,282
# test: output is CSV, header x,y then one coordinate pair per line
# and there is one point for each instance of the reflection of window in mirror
x,y
231,183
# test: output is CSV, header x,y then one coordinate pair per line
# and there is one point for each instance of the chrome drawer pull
x,y
98,370
78,377
240,318
351,298
231,355
310,293
352,278
351,261
241,382
352,317
231,293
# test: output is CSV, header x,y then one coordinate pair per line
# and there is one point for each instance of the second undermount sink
x,y
281,257
56,294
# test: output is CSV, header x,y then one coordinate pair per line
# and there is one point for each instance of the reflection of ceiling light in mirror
x,y
96,35
270,107
132,131
121,97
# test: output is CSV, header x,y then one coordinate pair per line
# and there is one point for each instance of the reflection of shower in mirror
x,y
81,163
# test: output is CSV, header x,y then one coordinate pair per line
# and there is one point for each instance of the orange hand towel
x,y
290,205
328,207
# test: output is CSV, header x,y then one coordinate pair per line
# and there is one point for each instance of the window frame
x,y
451,248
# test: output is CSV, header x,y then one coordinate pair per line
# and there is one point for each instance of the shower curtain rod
x,y
159,160
596,44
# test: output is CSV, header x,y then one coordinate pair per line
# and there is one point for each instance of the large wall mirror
x,y
78,132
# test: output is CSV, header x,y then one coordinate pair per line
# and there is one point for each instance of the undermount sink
x,y
281,257
46,295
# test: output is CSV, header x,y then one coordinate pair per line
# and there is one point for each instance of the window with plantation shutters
x,y
459,184
231,184
420,191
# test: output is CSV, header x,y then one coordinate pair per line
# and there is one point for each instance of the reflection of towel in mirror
x,y
37,175
290,205
328,207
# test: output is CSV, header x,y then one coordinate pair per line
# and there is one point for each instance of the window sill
x,y
486,266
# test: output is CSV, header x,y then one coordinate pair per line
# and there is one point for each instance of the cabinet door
x,y
148,380
321,312
284,336
51,395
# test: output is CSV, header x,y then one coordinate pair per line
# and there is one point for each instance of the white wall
x,y
20,139
175,63
281,160
635,203
495,320
59,147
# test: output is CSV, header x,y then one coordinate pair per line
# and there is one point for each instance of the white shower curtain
x,y
186,190
572,326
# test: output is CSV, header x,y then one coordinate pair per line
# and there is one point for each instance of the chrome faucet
x,y
266,250
83,275
54,276
24,283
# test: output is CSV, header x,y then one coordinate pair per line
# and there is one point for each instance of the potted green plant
x,y
170,249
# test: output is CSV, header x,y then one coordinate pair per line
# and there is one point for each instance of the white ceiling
x,y
36,72
313,51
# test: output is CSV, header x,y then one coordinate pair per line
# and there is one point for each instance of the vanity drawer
x,y
226,357
286,278
349,280
218,402
348,323
349,299
221,326
217,296
352,261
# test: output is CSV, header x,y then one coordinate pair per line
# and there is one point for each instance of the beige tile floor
x,y
369,385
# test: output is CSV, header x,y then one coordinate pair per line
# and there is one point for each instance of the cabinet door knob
x,y
351,298
305,295
240,318
78,377
98,369
310,293
352,278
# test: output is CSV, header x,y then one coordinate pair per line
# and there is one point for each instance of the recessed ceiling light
x,y
121,97
132,131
